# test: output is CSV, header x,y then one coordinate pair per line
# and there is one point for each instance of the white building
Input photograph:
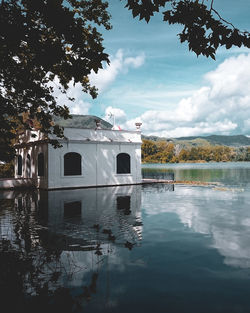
x,y
88,157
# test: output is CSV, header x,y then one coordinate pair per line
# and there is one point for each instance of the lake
x,y
157,247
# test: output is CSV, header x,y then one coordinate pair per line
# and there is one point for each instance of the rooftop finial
x,y
98,123
138,125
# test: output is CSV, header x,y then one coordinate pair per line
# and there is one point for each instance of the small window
x,y
72,164
28,166
40,164
19,165
123,163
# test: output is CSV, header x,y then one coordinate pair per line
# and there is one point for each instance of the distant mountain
x,y
82,121
234,141
198,141
156,138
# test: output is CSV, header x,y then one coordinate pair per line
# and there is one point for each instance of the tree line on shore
x,y
168,152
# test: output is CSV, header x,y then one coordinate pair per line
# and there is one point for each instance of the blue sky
x,y
153,78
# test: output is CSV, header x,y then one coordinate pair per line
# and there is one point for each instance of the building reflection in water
x,y
72,235
92,214
87,217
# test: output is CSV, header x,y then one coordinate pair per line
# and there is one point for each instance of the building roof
x,y
102,135
85,135
82,121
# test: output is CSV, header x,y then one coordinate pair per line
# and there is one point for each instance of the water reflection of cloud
x,y
221,215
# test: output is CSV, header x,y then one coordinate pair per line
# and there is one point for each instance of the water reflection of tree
x,y
157,188
32,256
30,266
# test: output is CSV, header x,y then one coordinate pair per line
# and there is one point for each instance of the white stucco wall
x,y
98,149
98,165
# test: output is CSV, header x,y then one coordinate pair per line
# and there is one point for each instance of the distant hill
x,y
233,141
82,121
198,141
156,138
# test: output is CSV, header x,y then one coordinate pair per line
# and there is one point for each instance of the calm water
x,y
148,248
228,173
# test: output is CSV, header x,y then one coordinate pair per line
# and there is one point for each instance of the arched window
x,y
123,163
19,165
28,165
72,164
40,164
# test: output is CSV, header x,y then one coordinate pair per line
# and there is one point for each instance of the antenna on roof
x,y
110,115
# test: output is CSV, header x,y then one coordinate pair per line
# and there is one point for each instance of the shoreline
x,y
195,162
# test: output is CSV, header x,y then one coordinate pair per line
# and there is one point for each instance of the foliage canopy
x,y
39,41
204,29
44,40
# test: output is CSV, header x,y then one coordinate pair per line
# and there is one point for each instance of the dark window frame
x,y
19,165
28,165
72,164
40,164
123,163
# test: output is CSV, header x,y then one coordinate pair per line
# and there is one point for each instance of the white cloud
x,y
118,64
79,105
221,222
222,106
135,62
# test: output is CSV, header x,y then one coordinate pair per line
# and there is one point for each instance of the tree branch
x,y
222,19
211,7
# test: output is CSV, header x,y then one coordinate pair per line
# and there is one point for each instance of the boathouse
x,y
88,157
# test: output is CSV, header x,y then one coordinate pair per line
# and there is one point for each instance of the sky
x,y
154,79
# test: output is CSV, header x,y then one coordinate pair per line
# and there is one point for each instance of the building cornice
x,y
85,141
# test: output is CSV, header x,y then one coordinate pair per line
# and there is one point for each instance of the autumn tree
x,y
166,152
149,148
184,155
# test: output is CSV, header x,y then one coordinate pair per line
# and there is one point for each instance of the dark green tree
x,y
204,29
39,41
